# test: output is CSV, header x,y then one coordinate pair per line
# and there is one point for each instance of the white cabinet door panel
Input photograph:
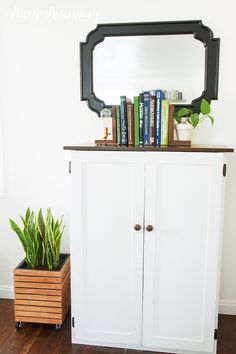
x,y
183,195
107,253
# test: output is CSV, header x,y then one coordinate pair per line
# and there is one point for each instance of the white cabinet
x,y
107,253
155,290
183,195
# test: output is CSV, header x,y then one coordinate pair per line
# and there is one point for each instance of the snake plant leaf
x,y
57,249
31,231
30,249
31,219
39,250
24,221
51,242
41,224
28,260
56,224
39,253
205,107
40,238
43,256
48,254
41,233
19,233
27,215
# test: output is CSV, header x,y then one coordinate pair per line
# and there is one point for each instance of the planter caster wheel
x,y
18,325
58,327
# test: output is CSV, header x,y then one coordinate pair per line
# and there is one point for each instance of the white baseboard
x,y
6,292
227,307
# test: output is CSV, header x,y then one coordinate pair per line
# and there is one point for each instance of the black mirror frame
x,y
196,27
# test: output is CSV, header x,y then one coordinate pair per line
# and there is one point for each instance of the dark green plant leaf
x,y
178,119
205,107
194,119
183,112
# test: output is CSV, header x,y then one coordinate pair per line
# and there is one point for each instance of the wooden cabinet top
x,y
192,148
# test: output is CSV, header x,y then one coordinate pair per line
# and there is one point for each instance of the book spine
x,y
130,121
164,121
118,125
152,118
141,118
146,118
136,120
171,124
113,114
157,139
123,120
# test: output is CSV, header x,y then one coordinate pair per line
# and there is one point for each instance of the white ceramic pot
x,y
184,131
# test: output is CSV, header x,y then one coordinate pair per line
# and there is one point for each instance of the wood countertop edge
x,y
193,148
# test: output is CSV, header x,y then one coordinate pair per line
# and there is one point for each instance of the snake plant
x,y
40,238
51,231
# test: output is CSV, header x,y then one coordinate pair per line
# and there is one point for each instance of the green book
x,y
136,120
164,121
118,126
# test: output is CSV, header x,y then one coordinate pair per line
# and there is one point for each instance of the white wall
x,y
41,110
1,163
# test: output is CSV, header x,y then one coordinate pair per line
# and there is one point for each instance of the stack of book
x,y
145,121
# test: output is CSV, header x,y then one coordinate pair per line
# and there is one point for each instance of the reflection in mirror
x,y
129,65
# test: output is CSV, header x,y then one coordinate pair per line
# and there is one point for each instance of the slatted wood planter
x,y
42,296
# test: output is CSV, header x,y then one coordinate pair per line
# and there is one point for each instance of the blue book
x,y
146,118
123,120
141,118
157,123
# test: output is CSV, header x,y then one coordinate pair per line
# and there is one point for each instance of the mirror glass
x,y
131,64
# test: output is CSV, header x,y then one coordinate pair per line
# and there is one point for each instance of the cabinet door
x,y
183,203
107,253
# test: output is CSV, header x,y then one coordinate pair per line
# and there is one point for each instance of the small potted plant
x,y
42,279
187,120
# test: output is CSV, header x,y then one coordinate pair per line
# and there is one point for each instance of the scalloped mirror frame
x,y
200,32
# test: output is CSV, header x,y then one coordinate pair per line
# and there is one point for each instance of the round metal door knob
x,y
137,227
149,228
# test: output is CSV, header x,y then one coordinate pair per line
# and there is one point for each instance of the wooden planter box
x,y
42,296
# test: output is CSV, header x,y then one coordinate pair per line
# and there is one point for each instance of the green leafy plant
x,y
188,116
30,238
40,238
51,231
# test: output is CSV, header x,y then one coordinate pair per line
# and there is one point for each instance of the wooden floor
x,y
43,339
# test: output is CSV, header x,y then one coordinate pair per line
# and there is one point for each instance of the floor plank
x,y
43,339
